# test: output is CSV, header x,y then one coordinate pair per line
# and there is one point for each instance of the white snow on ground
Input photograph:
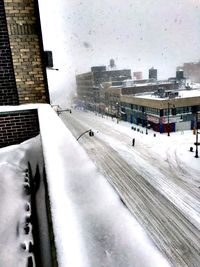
x,y
177,144
155,177
158,158
92,227
13,164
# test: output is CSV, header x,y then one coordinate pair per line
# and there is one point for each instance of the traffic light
x,y
91,133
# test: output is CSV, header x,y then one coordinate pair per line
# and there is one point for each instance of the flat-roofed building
x,y
111,95
164,110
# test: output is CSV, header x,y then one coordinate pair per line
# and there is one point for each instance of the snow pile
x,y
14,201
91,225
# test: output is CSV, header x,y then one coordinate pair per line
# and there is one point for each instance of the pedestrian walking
x,y
133,142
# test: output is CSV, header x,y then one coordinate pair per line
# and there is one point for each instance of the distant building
x,y
98,68
153,73
89,84
137,75
179,75
191,71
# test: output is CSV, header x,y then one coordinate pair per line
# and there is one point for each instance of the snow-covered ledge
x,y
91,225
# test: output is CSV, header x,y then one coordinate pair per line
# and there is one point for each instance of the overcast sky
x,y
137,34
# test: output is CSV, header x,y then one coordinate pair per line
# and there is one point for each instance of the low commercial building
x,y
112,92
164,110
112,98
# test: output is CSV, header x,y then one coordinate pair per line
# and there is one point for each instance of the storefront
x,y
161,114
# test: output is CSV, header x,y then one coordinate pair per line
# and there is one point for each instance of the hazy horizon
x,y
137,34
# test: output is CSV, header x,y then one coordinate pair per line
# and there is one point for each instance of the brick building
x,y
17,126
22,67
8,89
23,77
23,81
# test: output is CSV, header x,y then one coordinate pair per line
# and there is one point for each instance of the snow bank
x,y
91,225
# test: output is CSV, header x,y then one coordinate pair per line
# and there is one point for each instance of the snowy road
x,y
159,189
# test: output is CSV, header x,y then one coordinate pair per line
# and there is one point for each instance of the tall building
x,y
179,75
191,71
153,73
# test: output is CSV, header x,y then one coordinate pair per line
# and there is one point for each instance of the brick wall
x,y
18,126
27,50
8,90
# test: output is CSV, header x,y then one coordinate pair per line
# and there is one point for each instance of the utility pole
x,y
197,133
168,134
173,113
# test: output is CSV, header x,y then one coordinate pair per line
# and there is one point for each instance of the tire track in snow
x,y
172,233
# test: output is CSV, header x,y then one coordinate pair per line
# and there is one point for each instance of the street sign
x,y
171,119
152,118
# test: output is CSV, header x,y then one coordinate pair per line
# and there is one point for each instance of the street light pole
x,y
168,132
146,121
196,152
118,111
91,133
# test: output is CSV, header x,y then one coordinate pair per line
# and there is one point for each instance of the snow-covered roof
x,y
181,94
